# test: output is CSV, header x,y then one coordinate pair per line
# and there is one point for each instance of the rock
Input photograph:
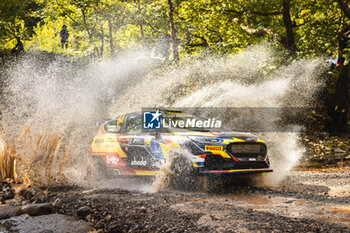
x,y
6,192
26,194
14,220
143,209
84,211
290,201
56,202
339,150
107,218
45,224
47,231
9,211
36,209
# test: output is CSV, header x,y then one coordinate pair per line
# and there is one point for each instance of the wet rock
x,y
141,209
8,211
339,150
84,211
44,224
36,209
6,192
47,231
13,220
26,193
289,201
56,202
107,218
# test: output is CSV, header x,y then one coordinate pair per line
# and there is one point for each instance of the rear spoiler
x,y
170,111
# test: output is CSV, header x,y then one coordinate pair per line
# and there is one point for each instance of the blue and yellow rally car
x,y
122,147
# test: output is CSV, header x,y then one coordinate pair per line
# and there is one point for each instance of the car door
x,y
137,148
106,144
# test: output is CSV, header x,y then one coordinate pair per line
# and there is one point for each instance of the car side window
x,y
111,127
114,126
133,123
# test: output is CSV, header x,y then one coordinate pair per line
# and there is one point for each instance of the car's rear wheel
x,y
96,169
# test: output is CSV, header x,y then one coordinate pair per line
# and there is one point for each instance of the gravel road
x,y
306,201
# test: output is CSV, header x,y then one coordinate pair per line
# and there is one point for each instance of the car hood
x,y
219,134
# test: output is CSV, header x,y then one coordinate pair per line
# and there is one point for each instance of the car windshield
x,y
133,123
183,121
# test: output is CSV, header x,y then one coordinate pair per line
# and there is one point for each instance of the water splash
x,y
51,105
176,172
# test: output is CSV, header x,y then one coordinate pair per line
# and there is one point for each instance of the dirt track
x,y
307,201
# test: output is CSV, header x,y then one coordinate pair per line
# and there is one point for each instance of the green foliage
x,y
346,53
17,19
317,26
107,27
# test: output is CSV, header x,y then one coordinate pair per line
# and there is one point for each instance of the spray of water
x,y
176,172
50,107
49,110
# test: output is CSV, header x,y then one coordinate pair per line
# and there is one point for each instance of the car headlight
x,y
206,140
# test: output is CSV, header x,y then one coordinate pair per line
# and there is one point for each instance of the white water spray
x,y
51,109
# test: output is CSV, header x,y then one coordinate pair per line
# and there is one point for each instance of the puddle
x,y
339,215
291,207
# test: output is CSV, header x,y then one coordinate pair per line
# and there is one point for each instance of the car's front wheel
x,y
182,175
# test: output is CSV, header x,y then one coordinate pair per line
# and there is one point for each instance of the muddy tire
x,y
182,174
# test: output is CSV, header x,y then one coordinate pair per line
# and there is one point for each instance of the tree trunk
x,y
173,32
110,30
102,40
289,43
86,25
142,34
140,23
342,95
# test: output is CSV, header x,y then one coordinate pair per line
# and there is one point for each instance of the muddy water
x,y
292,207
7,161
239,209
293,199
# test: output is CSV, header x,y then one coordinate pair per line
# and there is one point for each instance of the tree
x,y
173,32
17,19
226,26
289,43
114,12
342,92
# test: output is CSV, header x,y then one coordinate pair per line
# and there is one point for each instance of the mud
x,y
44,224
304,202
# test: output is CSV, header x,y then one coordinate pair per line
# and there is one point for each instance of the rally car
x,y
122,147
